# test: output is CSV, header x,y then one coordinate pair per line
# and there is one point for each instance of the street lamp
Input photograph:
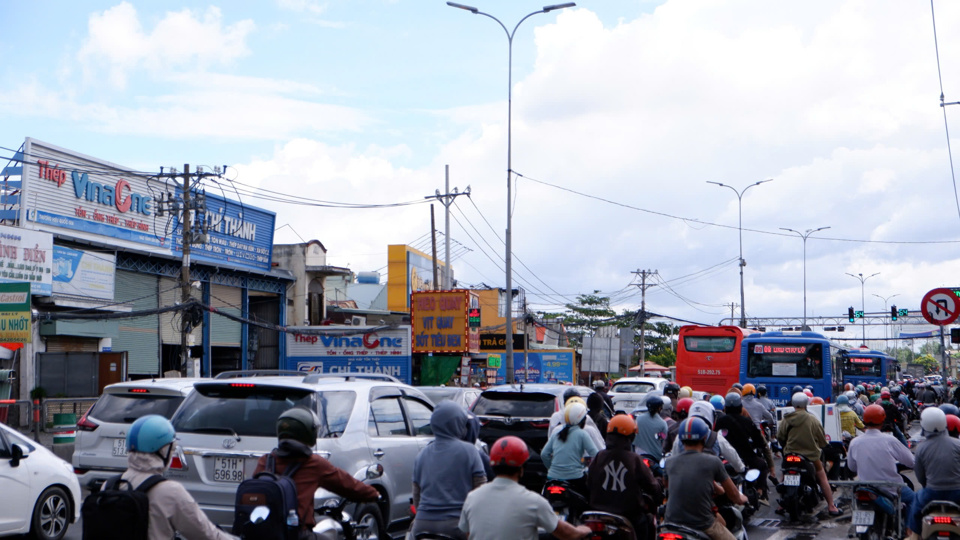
x,y
885,300
508,235
743,317
804,236
863,309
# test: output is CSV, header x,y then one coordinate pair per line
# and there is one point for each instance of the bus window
x,y
791,360
709,343
862,366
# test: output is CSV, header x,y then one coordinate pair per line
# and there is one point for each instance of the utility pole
x,y
186,224
433,242
643,314
733,306
446,199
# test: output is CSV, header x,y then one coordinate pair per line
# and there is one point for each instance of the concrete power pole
x,y
446,199
186,221
643,314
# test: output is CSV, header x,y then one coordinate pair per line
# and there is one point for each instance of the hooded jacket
x,y
446,469
172,509
618,481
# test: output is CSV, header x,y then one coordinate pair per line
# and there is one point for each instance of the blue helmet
x,y
717,402
693,429
150,433
843,400
950,408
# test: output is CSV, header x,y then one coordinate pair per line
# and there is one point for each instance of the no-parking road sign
x,y
940,307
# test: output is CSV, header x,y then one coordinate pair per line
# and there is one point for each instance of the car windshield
x,y
247,409
531,405
632,388
125,408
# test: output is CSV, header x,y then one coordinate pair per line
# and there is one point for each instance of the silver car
x,y
225,425
100,450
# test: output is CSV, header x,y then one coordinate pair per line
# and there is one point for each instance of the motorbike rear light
x,y
556,490
669,536
85,424
866,496
646,462
793,459
594,526
942,520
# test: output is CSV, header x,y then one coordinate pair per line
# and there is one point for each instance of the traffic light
x,y
955,335
850,315
894,312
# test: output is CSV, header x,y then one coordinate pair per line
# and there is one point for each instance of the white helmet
x,y
851,395
704,410
933,420
574,413
800,400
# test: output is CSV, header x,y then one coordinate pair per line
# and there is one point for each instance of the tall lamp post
x,y
863,309
885,300
508,235
743,317
804,236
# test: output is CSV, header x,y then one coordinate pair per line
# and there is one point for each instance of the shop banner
x,y
440,322
84,273
27,256
15,314
350,349
541,367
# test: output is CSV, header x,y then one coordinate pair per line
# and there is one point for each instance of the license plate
x,y
791,479
120,447
863,517
228,470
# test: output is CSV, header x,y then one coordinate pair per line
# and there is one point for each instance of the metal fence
x,y
39,415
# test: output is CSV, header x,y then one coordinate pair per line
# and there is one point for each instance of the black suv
x,y
523,410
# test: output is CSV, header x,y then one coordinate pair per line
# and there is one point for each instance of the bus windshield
x,y
786,360
862,366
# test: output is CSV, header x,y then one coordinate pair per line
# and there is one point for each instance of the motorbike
x,y
606,526
751,490
799,491
675,531
334,523
655,466
941,519
566,502
876,513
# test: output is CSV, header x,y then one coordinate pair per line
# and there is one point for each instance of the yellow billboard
x,y
440,323
408,270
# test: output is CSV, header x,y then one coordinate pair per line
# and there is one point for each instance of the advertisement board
x,y
355,349
409,270
440,323
15,313
542,367
27,257
84,273
74,195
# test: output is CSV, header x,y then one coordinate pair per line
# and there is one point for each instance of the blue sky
x,y
638,103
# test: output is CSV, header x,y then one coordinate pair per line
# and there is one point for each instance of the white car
x,y
100,450
628,392
41,495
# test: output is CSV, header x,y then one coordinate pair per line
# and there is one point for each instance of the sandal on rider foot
x,y
838,512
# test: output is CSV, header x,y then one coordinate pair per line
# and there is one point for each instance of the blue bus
x,y
861,366
781,360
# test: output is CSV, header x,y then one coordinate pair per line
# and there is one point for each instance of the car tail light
x,y
85,424
80,472
793,459
138,391
175,463
556,490
242,385
865,495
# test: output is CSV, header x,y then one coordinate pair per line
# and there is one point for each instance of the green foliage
x,y
666,358
589,313
929,363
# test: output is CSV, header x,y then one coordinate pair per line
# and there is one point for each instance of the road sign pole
x,y
943,355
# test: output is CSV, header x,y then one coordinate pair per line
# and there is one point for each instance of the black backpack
x,y
118,514
276,492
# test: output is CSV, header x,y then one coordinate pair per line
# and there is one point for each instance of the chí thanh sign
x,y
15,313
440,322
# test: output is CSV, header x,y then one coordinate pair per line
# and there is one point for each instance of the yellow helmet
x,y
749,389
685,391
575,399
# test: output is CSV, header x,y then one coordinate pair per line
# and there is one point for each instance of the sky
x,y
622,112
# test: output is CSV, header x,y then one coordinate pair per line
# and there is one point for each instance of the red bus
x,y
708,357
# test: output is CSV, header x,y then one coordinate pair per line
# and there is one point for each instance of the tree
x,y
929,363
589,313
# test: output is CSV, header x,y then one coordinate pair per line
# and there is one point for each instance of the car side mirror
x,y
374,471
16,454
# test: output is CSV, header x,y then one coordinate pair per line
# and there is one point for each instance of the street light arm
x,y
471,9
798,233
548,9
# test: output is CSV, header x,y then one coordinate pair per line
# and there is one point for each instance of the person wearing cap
x,y
651,429
699,476
557,422
600,387
671,391
505,509
801,433
937,465
151,441
618,481
874,456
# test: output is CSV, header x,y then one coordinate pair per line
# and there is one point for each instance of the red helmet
x,y
885,394
816,400
683,405
509,450
953,425
808,392
874,415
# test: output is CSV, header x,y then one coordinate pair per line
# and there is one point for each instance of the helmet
x,y
874,415
575,399
800,399
850,394
569,393
599,383
685,391
808,387
735,390
749,389
848,386
654,404
884,394
300,424
623,424
761,390
717,402
843,400
510,451
895,391
816,400
953,425
574,413
671,388
737,385
950,408
884,389
796,388
733,400
704,410
150,433
808,392
683,406
933,420
860,389
693,429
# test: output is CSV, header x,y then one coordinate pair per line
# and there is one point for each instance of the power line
x,y
946,126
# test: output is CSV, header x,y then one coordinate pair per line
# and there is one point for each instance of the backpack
x,y
276,492
118,514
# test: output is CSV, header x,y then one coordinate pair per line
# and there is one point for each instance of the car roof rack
x,y
317,377
260,373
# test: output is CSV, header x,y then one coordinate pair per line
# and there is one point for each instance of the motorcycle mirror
x,y
663,463
752,475
259,514
374,471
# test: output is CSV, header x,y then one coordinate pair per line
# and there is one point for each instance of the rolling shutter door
x,y
225,332
170,322
138,335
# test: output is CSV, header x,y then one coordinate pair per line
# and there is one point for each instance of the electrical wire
x,y
946,125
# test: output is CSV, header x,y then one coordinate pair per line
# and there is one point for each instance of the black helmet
x,y
300,424
796,388
671,388
569,393
654,405
761,390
